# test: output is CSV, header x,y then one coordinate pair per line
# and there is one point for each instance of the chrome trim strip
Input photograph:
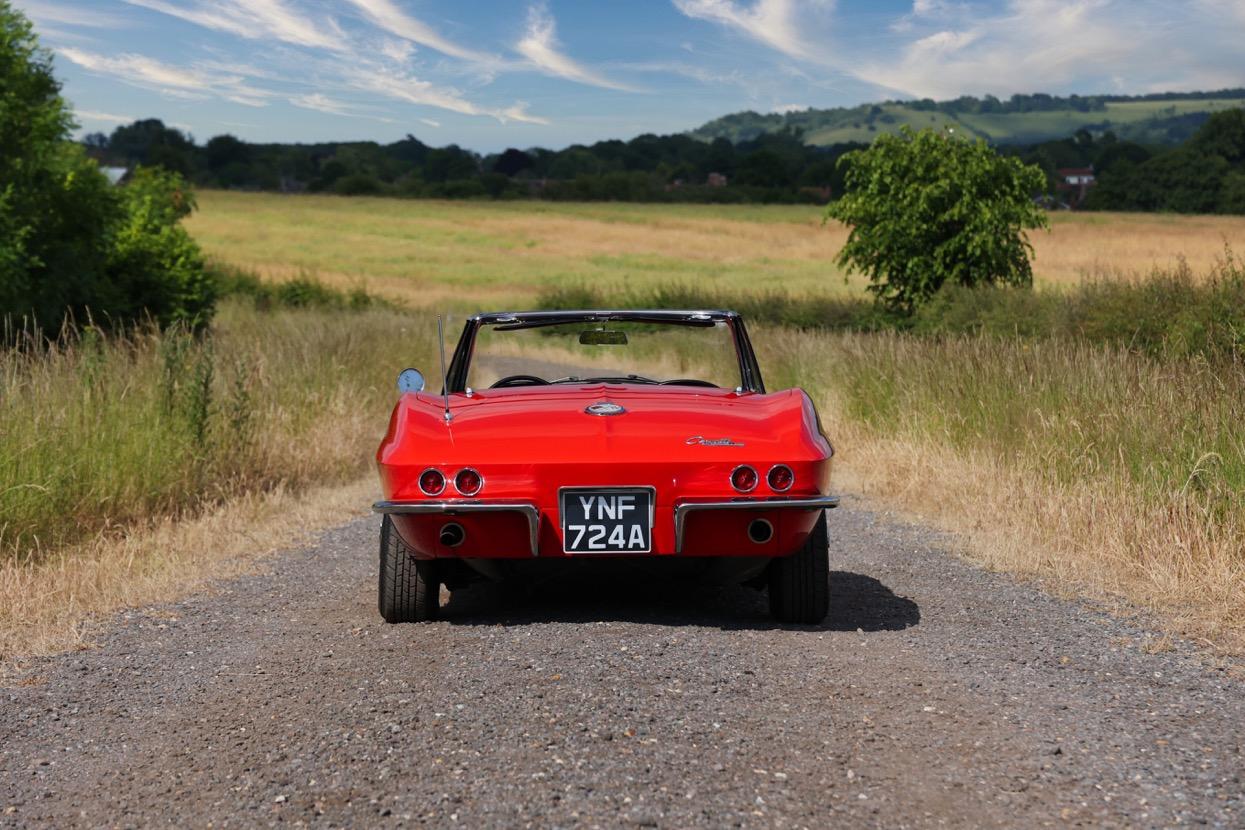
x,y
452,508
805,503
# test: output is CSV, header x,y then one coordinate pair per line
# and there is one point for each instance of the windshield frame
x,y
749,371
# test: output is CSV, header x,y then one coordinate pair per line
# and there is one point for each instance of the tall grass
x,y
1108,471
100,433
1167,312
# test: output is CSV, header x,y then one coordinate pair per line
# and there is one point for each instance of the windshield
x,y
617,351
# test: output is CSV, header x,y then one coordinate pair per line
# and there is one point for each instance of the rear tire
x,y
410,588
799,585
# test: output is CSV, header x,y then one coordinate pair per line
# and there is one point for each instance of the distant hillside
x,y
1164,118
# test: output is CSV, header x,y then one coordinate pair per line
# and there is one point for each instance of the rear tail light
x,y
431,482
744,478
780,478
468,482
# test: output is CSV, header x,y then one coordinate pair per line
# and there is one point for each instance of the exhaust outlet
x,y
452,535
760,531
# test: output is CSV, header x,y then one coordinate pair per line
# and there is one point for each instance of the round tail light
x,y
431,482
780,478
468,482
744,478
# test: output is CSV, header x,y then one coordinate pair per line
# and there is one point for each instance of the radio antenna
x,y
445,383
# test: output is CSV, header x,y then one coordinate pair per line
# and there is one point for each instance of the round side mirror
x,y
410,380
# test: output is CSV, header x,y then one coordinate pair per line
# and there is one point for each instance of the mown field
x,y
1110,465
474,255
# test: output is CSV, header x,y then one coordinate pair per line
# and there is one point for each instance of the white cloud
x,y
1030,46
46,13
255,20
540,46
430,122
387,15
322,103
104,117
783,109
404,87
181,82
771,22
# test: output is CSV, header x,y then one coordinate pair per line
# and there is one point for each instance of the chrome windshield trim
x,y
681,511
452,508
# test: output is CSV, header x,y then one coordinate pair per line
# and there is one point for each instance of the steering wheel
x,y
519,380
689,382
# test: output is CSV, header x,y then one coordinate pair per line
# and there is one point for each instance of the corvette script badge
x,y
714,442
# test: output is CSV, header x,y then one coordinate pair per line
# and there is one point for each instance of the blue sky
x,y
488,74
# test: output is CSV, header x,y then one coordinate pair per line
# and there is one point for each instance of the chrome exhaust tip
x,y
452,534
760,531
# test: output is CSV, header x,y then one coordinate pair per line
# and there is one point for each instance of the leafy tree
x,y
512,162
926,208
71,245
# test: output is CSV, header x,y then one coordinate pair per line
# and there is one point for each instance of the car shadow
x,y
857,603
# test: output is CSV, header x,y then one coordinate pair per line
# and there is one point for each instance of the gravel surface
x,y
935,695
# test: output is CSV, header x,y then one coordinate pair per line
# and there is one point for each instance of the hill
x,y
1163,118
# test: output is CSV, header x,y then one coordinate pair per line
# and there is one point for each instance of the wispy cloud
x,y
430,122
400,86
1025,46
539,45
322,103
387,15
47,13
183,82
104,117
254,20
771,22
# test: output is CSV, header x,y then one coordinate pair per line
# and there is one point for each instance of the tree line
x,y
1206,174
773,168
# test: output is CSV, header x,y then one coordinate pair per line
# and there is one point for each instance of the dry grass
x,y
1100,471
131,469
56,603
471,255
98,433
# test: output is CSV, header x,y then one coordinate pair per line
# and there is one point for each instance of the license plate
x,y
607,519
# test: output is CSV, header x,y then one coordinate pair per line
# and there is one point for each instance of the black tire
x,y
410,588
799,585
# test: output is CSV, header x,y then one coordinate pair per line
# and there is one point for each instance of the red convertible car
x,y
562,436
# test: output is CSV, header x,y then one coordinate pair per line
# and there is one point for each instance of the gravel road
x,y
935,695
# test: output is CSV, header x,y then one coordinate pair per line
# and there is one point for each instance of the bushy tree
x,y
928,208
71,245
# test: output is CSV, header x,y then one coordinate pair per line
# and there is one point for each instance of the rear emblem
x,y
604,408
713,442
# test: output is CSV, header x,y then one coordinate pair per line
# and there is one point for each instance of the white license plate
x,y
606,519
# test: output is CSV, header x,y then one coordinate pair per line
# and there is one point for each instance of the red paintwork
x,y
527,442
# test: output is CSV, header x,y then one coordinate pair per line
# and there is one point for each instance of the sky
x,y
491,74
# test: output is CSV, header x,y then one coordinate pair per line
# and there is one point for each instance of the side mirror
x,y
410,380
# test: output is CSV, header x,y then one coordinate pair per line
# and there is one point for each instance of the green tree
x,y
72,246
926,208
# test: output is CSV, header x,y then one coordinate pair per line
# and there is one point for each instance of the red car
x,y
562,436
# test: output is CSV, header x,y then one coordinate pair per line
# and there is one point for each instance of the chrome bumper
x,y
532,513
455,508
681,511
